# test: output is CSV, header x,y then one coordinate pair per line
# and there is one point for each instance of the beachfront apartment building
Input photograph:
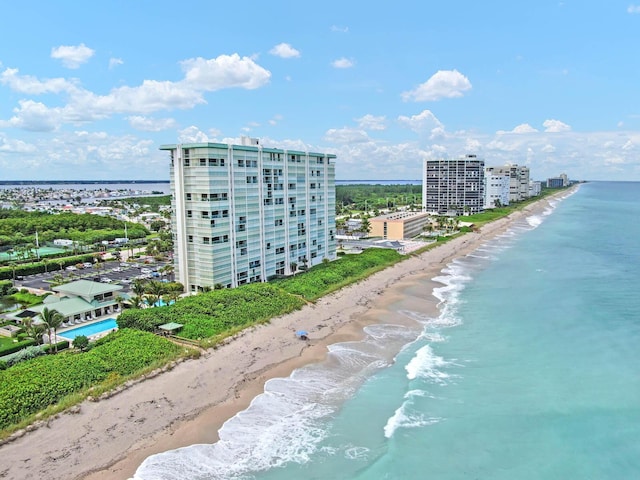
x,y
398,225
518,183
245,213
453,186
496,189
560,181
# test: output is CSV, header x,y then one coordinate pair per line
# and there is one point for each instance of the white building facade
x,y
496,190
244,213
453,186
519,180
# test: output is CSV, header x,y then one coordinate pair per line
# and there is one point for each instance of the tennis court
x,y
42,251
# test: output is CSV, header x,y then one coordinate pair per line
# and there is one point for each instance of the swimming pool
x,y
92,329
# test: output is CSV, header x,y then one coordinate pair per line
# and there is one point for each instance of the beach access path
x,y
188,404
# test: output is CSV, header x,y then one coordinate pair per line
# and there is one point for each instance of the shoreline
x,y
188,404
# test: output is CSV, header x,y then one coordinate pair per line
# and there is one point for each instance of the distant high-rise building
x,y
518,183
244,213
496,189
535,188
453,186
558,182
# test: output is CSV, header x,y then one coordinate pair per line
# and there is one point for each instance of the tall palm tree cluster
x,y
151,292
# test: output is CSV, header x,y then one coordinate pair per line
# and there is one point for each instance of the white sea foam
x,y
403,419
287,422
534,220
425,365
356,453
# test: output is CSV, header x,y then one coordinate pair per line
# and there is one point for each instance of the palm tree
x,y
32,330
52,319
138,287
154,291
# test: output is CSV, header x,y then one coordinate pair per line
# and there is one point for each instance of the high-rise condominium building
x,y
453,186
244,213
518,180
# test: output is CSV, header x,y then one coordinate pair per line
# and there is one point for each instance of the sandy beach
x,y
109,439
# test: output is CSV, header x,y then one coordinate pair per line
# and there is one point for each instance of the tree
x,y
294,267
157,225
138,287
35,331
365,226
167,270
81,342
52,320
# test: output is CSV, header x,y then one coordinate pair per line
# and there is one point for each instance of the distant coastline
x,y
132,182
77,182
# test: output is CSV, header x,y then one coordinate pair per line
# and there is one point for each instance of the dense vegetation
x,y
328,277
45,265
377,196
36,384
215,313
18,227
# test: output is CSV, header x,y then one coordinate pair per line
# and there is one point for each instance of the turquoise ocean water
x,y
531,371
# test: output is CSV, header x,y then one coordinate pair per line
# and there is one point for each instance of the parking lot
x,y
120,273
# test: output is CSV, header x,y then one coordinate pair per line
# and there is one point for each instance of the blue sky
x,y
91,90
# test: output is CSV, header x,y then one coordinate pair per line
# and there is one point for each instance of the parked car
x,y
105,280
71,268
145,270
87,264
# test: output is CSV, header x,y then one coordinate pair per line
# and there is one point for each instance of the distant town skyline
x,y
91,93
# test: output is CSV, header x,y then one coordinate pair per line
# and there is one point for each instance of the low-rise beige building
x,y
398,225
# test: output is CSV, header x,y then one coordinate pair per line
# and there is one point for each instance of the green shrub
x,y
14,347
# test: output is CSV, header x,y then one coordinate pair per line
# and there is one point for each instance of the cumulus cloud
x,y
633,9
147,124
555,126
442,84
342,63
34,117
200,76
423,122
346,135
72,56
284,50
522,128
192,134
114,62
371,122
33,86
225,71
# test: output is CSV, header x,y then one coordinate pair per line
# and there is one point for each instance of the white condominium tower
x,y
454,186
244,213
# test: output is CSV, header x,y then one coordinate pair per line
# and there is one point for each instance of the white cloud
x,y
633,9
9,145
151,124
192,134
72,56
555,126
32,86
201,75
34,117
284,50
114,62
276,118
548,148
346,135
225,71
371,122
342,63
423,122
442,84
337,28
522,128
